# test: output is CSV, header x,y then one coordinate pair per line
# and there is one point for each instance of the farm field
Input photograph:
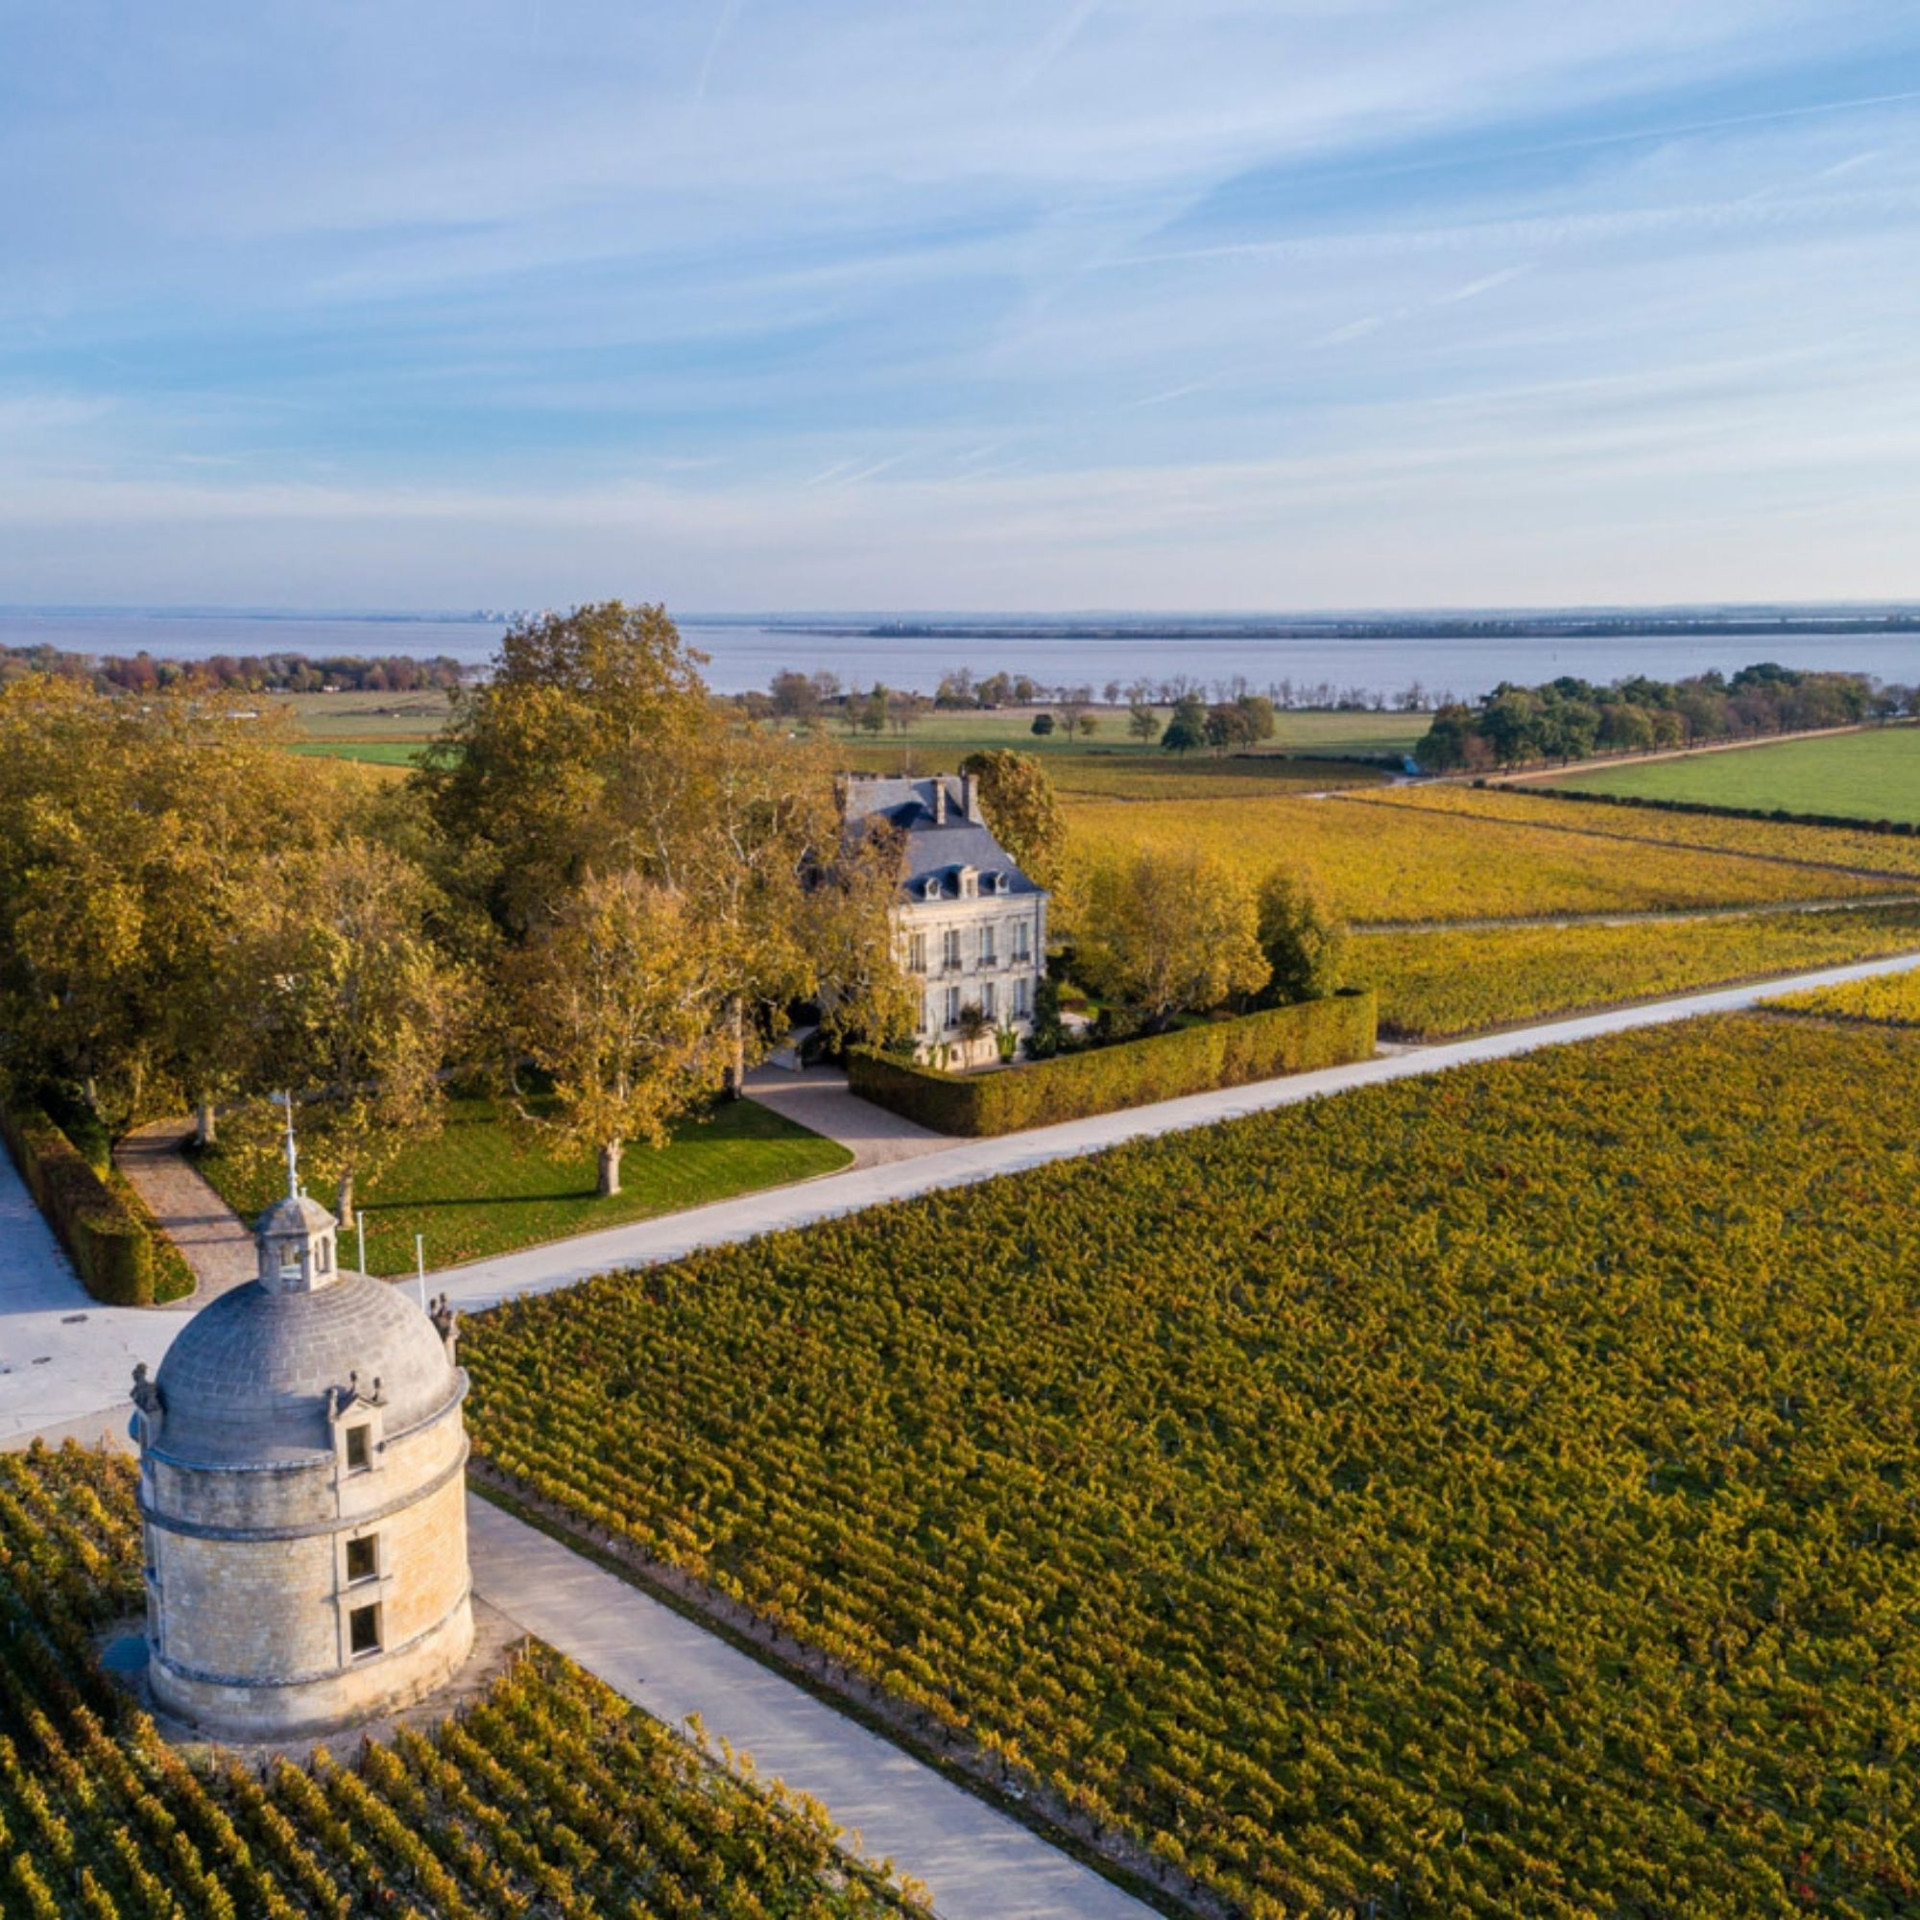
x,y
1379,864
1437,984
372,753
1851,849
551,1796
1873,775
482,1187
1892,1002
1475,1496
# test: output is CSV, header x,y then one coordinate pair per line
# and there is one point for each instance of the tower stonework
x,y
303,1492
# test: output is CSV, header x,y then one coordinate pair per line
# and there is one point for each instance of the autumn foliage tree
x,y
1018,802
620,819
1170,932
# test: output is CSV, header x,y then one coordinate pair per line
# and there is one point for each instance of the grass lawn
x,y
1112,766
1866,776
373,753
479,1187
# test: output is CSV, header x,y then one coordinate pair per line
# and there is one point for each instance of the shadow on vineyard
x,y
1486,1495
551,1796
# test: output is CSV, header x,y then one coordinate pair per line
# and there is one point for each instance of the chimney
x,y
939,800
967,797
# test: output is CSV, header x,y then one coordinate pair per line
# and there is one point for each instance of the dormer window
x,y
359,1448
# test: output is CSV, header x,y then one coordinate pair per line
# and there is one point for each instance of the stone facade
x,y
303,1489
971,928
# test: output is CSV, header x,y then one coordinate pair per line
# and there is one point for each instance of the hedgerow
x,y
1484,1495
109,1243
1164,1066
550,1797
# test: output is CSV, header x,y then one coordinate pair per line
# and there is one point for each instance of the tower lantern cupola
x,y
296,1235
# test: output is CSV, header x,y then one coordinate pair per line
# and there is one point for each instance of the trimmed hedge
x,y
109,1245
1166,1066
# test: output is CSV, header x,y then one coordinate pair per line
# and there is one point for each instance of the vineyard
x,y
1488,1495
1433,984
1841,847
1380,863
1892,1002
552,1799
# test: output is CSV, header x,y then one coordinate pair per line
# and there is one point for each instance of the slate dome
x,y
247,1377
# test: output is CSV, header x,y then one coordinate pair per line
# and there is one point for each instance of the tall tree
x,y
520,773
362,1006
1170,932
136,842
613,1000
1301,940
1018,802
1187,729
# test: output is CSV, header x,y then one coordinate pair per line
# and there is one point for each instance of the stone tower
x,y
303,1488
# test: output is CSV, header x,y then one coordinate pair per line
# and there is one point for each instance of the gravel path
x,y
217,1246
977,1863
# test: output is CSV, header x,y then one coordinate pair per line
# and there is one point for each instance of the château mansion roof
x,y
945,836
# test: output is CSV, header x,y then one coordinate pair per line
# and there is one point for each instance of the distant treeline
x,y
793,695
1699,621
1569,718
237,673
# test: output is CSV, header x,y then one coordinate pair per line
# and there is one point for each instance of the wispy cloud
x,y
812,303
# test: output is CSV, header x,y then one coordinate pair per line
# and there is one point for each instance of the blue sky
x,y
1074,303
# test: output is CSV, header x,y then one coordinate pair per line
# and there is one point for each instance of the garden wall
x,y
108,1244
1038,1093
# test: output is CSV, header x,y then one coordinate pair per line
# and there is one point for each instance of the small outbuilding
x,y
303,1489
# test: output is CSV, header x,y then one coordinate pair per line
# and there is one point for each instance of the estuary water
x,y
746,653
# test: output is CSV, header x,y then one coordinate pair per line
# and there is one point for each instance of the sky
x,y
1066,304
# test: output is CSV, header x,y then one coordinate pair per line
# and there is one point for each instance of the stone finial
x,y
146,1393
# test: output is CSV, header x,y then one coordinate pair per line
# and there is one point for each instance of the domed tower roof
x,y
261,1375
255,1375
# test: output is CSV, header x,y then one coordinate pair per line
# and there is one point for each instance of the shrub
x,y
1225,1053
109,1246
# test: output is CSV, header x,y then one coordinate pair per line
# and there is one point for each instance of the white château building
x,y
972,928
303,1493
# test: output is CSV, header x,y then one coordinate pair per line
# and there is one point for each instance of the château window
x,y
953,1006
986,1000
950,949
1022,940
363,1629
363,1557
1022,997
989,948
359,1449
917,953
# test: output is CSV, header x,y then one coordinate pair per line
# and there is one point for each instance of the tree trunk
x,y
345,1208
733,1083
610,1169
206,1128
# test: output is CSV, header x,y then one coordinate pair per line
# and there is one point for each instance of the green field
x,y
481,1187
1862,776
373,753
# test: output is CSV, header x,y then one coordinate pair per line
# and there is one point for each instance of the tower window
x,y
363,1630
359,1449
363,1557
